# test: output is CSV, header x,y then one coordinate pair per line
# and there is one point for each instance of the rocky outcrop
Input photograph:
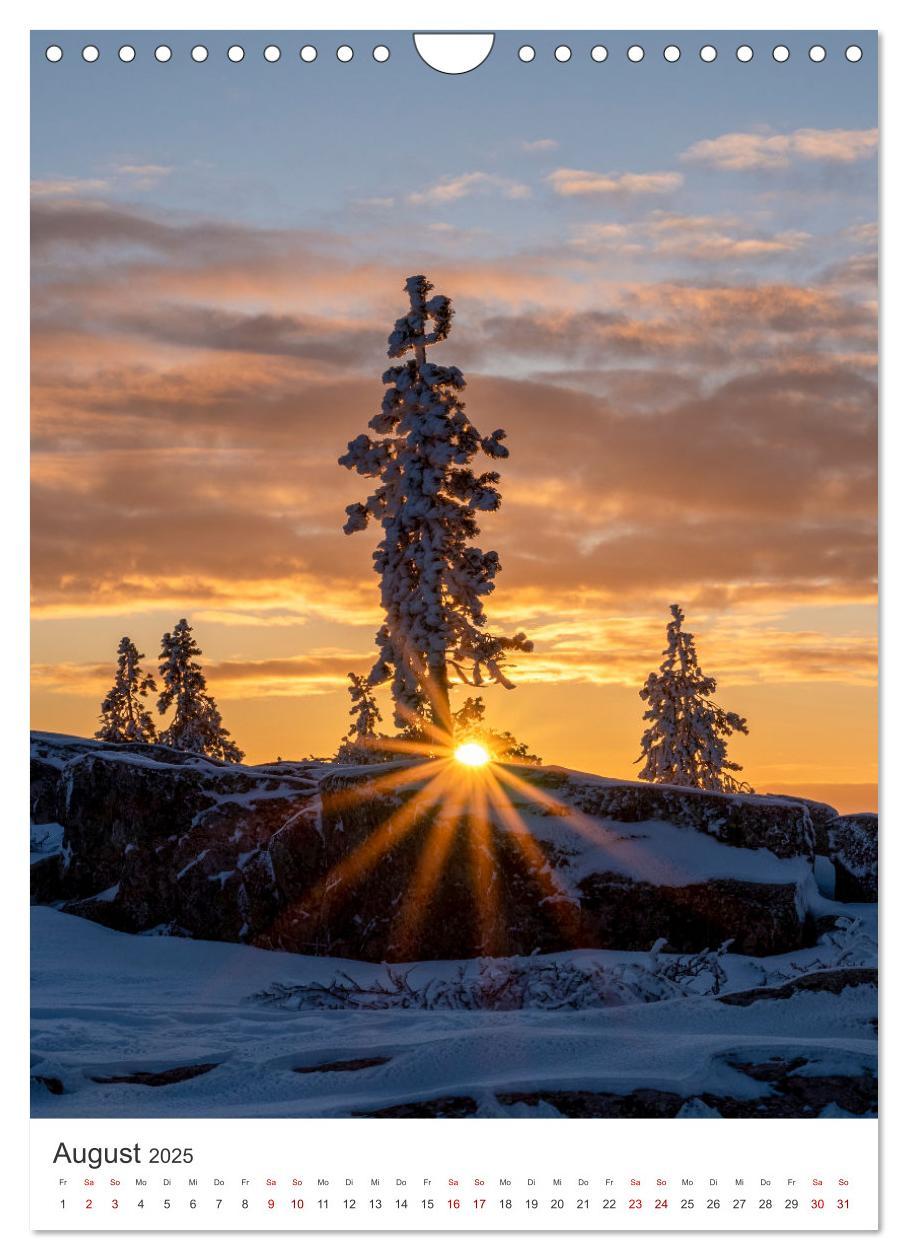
x,y
390,902
853,848
783,826
356,862
820,815
156,840
401,898
758,919
829,980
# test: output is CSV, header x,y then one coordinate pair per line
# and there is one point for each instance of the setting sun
x,y
471,754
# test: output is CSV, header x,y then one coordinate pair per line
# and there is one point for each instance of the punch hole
x,y
199,53
672,53
708,53
381,53
90,53
780,53
744,53
272,53
308,53
562,53
345,53
53,53
526,52
453,53
599,52
162,53
635,53
854,52
126,53
817,53
236,52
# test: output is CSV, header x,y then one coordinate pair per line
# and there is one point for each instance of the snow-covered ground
x,y
107,1004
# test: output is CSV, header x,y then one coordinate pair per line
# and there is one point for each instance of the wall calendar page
x,y
453,764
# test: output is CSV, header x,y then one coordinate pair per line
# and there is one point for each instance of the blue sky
x,y
290,143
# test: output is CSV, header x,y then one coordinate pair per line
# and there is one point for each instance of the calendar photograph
x,y
453,577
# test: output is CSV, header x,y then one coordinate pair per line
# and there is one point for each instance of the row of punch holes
x,y
526,53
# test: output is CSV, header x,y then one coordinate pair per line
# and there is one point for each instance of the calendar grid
x,y
366,1175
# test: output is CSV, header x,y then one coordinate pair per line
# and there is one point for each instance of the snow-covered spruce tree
x,y
687,740
433,579
124,718
196,724
361,745
470,724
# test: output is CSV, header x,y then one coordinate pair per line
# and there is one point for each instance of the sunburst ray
x,y
625,858
561,901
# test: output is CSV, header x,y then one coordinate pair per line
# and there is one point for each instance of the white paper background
x,y
499,14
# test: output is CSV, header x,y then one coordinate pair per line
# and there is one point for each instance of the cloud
x,y
760,489
608,651
208,260
132,175
596,237
720,329
592,648
863,233
762,151
456,187
97,226
538,146
860,271
64,187
142,176
147,171
699,237
313,673
194,382
568,182
329,342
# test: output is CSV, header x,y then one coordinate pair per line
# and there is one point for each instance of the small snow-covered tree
x,y
687,740
470,724
433,577
124,718
363,710
196,723
361,744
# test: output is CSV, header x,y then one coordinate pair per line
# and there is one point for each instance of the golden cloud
x,y
761,151
456,187
569,182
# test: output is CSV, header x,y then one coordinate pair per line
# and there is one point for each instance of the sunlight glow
x,y
459,816
471,754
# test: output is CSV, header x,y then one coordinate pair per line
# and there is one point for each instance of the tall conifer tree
x,y
433,577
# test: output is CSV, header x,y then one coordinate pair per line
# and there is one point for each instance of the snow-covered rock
x,y
154,839
353,862
743,820
853,849
567,861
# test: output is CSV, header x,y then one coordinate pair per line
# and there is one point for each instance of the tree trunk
x,y
441,702
438,670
